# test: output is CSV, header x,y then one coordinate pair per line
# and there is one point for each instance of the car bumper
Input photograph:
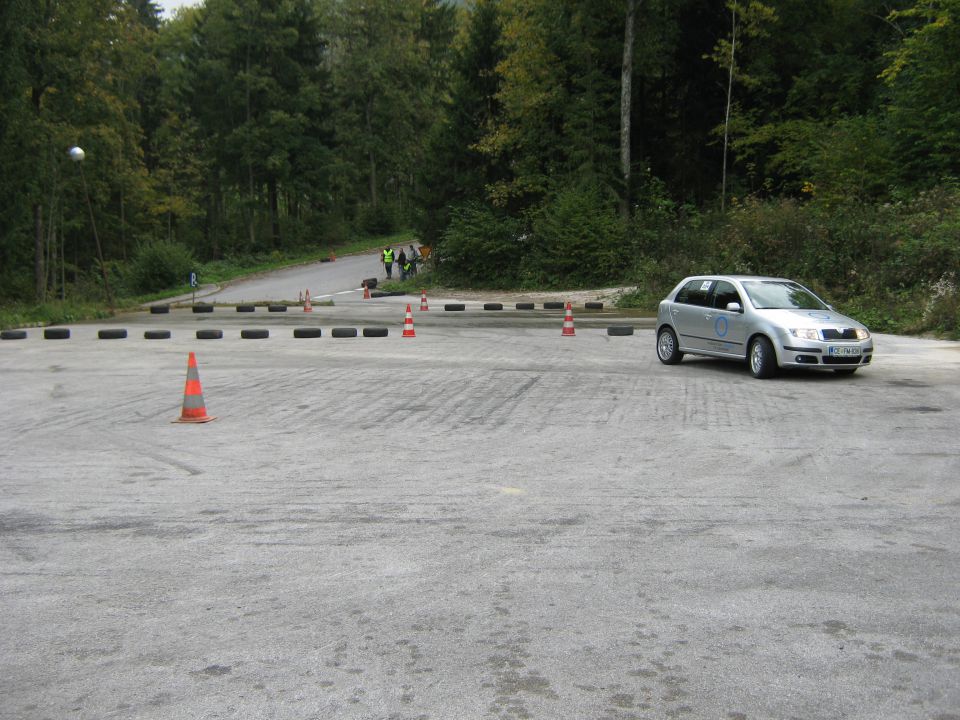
x,y
826,355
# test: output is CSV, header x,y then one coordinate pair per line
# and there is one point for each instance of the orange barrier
x,y
408,324
194,409
568,321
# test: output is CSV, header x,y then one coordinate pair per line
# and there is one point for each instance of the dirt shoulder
x,y
606,295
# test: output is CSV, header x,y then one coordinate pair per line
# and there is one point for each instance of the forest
x,y
529,143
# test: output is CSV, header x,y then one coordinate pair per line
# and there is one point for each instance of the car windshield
x,y
781,295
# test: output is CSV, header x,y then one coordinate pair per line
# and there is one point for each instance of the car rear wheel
x,y
667,347
763,360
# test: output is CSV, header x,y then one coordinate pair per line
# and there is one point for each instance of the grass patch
x,y
17,315
49,313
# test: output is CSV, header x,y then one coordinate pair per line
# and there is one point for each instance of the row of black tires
x,y
205,334
205,308
249,334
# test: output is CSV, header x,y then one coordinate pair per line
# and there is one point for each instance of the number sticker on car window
x,y
706,285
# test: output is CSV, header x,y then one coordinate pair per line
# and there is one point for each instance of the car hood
x,y
809,318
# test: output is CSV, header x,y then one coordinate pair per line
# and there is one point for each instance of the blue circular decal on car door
x,y
720,326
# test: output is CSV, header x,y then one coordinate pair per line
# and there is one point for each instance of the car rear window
x,y
695,292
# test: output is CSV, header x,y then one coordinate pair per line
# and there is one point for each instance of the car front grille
x,y
839,333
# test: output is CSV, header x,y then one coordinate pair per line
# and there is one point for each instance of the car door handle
x,y
708,316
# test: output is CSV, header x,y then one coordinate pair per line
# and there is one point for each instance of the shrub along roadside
x,y
895,267
85,300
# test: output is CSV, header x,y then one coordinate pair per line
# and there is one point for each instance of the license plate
x,y
840,351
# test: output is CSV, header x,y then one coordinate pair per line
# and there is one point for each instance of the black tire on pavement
x,y
112,334
307,332
209,334
13,335
277,308
667,347
343,332
375,332
246,308
159,309
554,305
156,335
369,282
593,305
203,308
620,330
493,306
379,294
525,306
254,334
56,333
454,307
761,358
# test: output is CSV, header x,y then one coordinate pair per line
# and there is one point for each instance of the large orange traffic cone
x,y
568,321
423,300
307,307
408,324
194,410
366,291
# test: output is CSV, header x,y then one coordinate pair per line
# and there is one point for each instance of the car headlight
x,y
862,334
805,333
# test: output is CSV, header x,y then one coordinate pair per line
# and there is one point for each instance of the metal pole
x,y
96,237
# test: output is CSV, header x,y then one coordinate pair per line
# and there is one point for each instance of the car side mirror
x,y
734,307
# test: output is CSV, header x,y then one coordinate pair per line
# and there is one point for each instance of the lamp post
x,y
77,155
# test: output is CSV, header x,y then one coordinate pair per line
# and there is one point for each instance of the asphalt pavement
x,y
487,520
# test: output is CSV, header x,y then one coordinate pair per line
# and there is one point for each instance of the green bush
x,y
578,239
379,220
160,265
480,247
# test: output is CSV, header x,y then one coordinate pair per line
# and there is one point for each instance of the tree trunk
x,y
626,104
274,210
38,273
374,200
726,120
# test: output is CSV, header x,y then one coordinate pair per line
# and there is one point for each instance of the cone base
x,y
204,419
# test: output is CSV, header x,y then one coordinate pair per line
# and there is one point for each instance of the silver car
x,y
770,322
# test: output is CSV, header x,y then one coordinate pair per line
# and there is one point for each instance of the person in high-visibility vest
x,y
388,261
406,270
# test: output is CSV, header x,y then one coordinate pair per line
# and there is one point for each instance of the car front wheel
x,y
667,349
763,360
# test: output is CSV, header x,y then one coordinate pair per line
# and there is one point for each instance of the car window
x,y
781,295
724,294
695,292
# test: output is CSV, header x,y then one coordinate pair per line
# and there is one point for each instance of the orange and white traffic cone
x,y
333,256
194,410
568,321
408,324
307,307
366,291
423,300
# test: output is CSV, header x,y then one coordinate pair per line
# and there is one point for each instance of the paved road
x,y
486,521
339,280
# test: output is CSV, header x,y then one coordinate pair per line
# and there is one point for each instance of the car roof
x,y
739,278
